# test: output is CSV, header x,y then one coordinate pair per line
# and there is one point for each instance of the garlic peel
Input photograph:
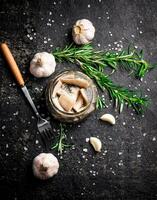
x,y
42,65
108,118
96,143
83,31
45,165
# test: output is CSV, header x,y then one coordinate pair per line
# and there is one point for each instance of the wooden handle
x,y
11,63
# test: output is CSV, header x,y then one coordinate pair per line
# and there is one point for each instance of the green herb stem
x,y
131,60
60,144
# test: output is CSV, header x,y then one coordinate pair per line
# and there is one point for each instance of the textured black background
x,y
127,166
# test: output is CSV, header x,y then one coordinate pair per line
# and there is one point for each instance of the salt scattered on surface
x,y
85,150
124,123
88,5
37,142
120,153
154,139
25,148
144,134
3,127
87,139
120,163
138,155
16,113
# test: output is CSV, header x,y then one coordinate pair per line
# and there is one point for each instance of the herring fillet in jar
x,y
71,96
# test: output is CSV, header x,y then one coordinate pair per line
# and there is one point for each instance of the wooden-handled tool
x,y
43,125
11,63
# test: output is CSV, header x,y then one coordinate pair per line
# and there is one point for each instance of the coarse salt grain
x,y
3,127
87,139
85,150
154,139
25,148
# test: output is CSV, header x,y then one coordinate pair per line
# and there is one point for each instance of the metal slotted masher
x,y
43,125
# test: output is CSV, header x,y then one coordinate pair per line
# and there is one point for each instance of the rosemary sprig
x,y
100,103
119,94
60,145
93,63
131,60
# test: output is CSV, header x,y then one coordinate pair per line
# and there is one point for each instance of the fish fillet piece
x,y
56,103
78,82
75,92
78,104
83,93
67,101
68,76
61,92
56,88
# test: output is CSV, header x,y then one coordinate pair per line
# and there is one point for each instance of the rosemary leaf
x,y
100,103
60,144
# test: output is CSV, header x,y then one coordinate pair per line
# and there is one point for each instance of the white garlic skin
x,y
83,31
45,165
96,143
108,118
42,65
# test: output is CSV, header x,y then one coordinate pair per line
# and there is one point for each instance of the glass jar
x,y
71,116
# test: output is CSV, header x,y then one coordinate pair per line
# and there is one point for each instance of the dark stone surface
x,y
127,166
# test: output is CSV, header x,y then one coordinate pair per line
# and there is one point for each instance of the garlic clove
x,y
96,143
108,118
45,166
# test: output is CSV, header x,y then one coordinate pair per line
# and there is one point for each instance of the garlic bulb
x,y
83,31
45,165
42,65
